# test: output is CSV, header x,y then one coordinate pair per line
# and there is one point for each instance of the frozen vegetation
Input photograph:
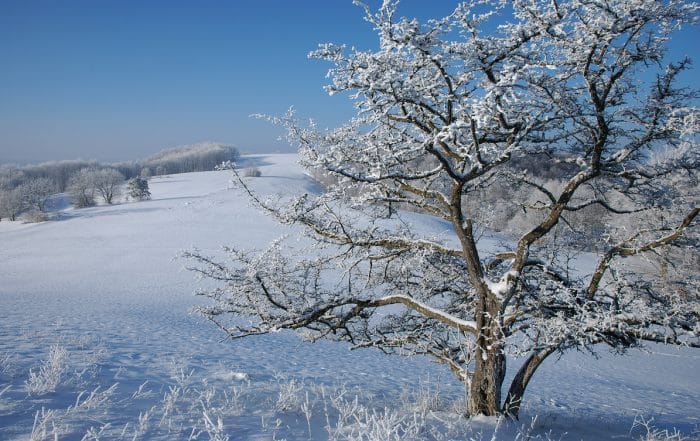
x,y
25,191
97,341
513,210
560,125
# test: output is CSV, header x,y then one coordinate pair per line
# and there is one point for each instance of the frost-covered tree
x,y
36,193
87,182
189,158
128,169
10,177
59,172
137,189
447,109
107,182
20,192
81,188
11,203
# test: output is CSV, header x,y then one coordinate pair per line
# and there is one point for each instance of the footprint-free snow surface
x,y
98,341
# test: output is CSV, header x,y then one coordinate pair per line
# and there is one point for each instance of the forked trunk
x,y
511,407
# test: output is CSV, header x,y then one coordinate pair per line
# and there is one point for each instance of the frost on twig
x,y
529,119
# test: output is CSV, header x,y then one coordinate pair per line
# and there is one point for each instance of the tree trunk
x,y
486,383
490,368
511,407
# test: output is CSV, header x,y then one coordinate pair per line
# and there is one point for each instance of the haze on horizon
x,y
115,81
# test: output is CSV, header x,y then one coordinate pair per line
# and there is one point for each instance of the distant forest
x,y
26,189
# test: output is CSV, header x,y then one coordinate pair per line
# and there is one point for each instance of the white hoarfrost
x,y
552,122
105,312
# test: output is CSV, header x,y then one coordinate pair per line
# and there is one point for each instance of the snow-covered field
x,y
97,341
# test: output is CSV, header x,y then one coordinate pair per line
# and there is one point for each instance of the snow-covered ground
x,y
97,341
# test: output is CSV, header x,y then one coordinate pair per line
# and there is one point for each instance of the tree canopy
x,y
450,112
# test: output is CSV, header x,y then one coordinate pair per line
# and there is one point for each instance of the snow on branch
x,y
514,181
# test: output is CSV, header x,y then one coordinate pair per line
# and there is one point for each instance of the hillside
x,y
101,292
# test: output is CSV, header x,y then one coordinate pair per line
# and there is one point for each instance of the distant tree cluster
x,y
24,191
28,189
183,159
59,172
10,204
85,184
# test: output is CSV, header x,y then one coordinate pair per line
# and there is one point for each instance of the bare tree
x,y
107,182
36,193
445,110
81,188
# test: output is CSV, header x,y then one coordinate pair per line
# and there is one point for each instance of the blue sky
x,y
116,80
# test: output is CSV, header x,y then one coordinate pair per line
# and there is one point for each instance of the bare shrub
x,y
651,433
6,364
49,374
289,397
46,425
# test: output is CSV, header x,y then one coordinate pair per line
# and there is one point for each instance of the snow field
x,y
97,342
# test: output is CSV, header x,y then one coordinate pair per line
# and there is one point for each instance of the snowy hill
x,y
97,342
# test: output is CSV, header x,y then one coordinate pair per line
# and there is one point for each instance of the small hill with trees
x,y
26,190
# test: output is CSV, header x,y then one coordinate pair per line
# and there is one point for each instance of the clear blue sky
x,y
119,79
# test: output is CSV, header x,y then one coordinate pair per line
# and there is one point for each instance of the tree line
x,y
27,190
